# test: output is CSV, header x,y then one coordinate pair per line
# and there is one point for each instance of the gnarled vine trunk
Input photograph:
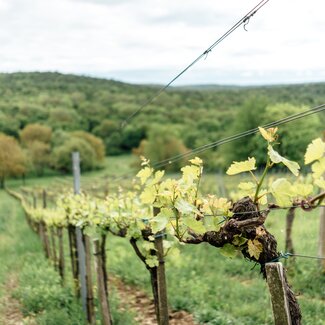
x,y
250,225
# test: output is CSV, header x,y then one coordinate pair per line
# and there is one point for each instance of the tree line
x,y
180,119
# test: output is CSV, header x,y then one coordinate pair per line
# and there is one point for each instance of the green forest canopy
x,y
189,116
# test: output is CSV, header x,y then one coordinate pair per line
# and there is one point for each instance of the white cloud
x,y
151,41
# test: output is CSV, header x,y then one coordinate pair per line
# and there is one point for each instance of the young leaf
x,y
144,174
196,226
320,183
246,186
239,240
255,248
242,166
281,189
318,168
148,246
315,151
269,134
190,173
277,158
159,222
184,207
228,250
196,161
147,196
152,261
159,174
302,189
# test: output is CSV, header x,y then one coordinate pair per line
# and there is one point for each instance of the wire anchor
x,y
247,19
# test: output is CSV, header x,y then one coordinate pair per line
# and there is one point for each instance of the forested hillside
x,y
180,119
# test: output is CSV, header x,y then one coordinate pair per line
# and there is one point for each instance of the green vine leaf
x,y
196,161
148,196
195,225
247,186
269,134
160,221
320,183
228,250
239,240
255,248
318,168
184,207
158,224
282,191
315,151
277,158
152,261
144,174
242,166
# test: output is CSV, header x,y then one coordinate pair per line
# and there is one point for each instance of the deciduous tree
x,y
35,132
12,158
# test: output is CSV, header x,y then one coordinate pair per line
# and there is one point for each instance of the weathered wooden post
x,y
43,231
61,253
51,234
72,236
161,278
80,245
276,281
321,244
83,247
89,280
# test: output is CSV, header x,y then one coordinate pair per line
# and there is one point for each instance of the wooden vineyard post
x,y
51,233
34,199
102,286
276,283
83,248
161,278
61,253
103,256
46,241
321,249
74,257
53,242
89,281
43,232
80,245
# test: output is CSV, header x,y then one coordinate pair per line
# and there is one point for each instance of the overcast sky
x,y
150,41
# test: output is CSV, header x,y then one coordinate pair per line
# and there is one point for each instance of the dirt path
x,y
10,307
144,308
